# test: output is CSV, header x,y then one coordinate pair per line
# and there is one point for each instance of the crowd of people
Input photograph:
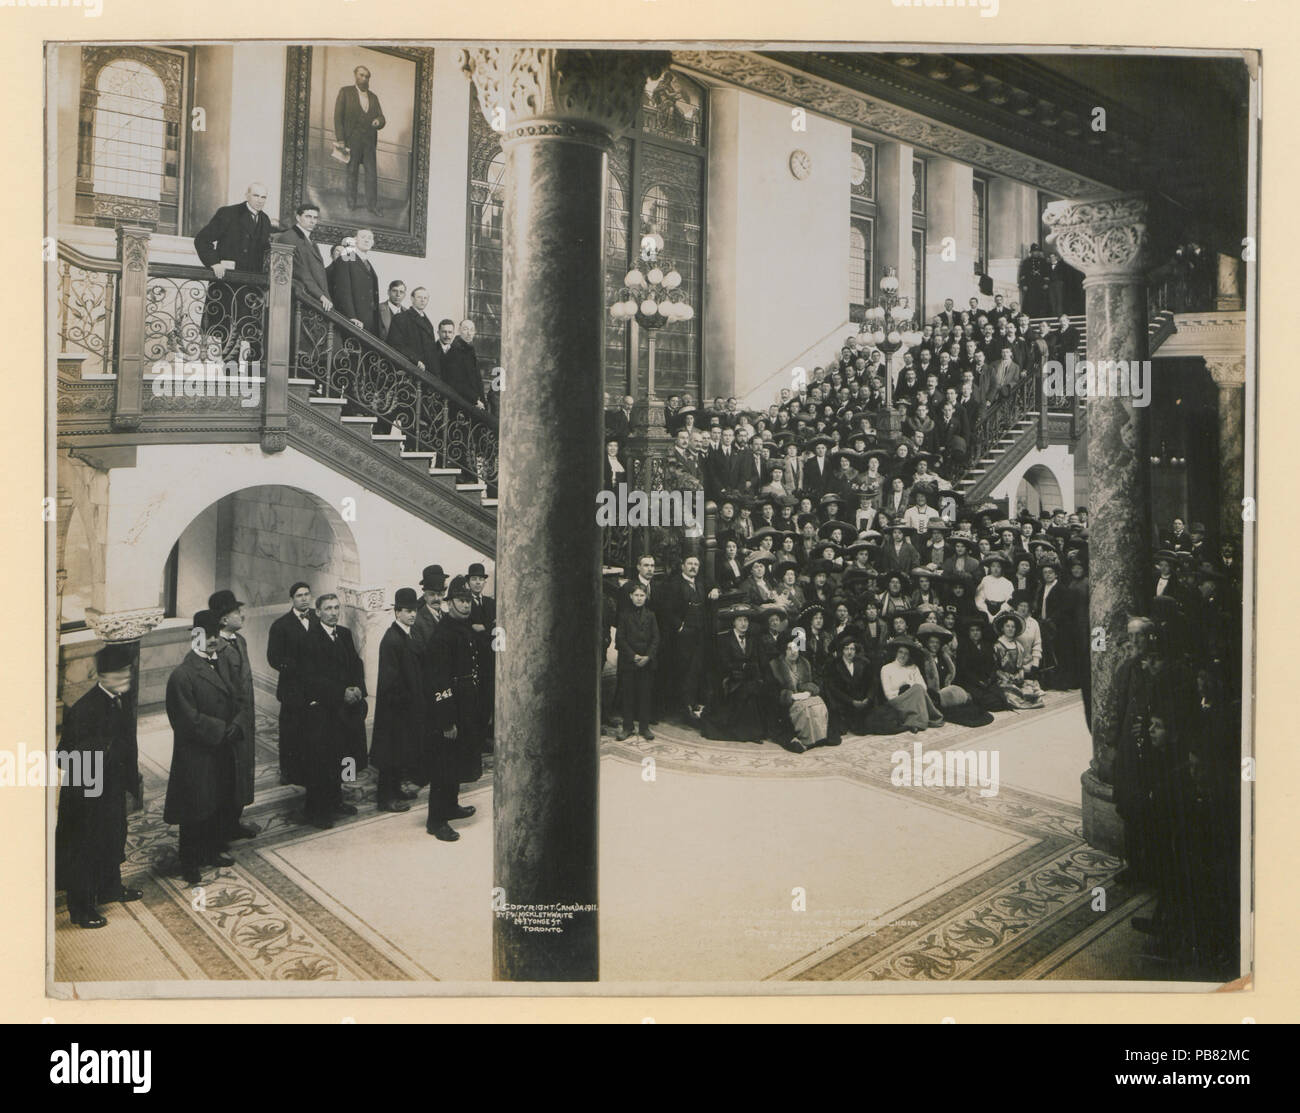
x,y
433,722
238,238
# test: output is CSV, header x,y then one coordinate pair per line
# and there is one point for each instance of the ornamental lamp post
x,y
651,298
885,327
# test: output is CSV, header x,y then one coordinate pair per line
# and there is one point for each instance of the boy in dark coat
x,y
638,658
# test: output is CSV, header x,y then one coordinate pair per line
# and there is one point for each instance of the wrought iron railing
x,y
87,308
1004,415
190,313
378,381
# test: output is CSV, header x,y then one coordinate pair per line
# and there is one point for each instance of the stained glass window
x,y
655,173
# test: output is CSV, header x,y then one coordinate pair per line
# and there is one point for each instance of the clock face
x,y
800,164
857,169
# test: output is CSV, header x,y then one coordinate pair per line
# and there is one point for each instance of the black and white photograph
x,y
649,519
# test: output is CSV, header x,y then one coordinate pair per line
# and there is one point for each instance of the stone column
x,y
1229,374
893,217
133,254
558,112
949,209
1107,240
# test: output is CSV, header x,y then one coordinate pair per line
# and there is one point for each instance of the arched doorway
x,y
1038,491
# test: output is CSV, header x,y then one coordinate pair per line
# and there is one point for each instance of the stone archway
x,y
1038,490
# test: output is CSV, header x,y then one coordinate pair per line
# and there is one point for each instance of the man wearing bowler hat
x,y
236,669
397,743
433,583
90,838
286,651
482,619
204,714
452,665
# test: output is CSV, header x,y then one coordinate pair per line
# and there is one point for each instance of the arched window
x,y
655,181
129,137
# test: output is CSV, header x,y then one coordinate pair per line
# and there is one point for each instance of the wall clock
x,y
800,164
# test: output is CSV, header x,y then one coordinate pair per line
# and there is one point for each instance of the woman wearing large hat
x,y
847,685
788,592
803,723
735,713
1009,662
994,589
730,573
903,687
757,587
939,665
976,665
817,640
896,596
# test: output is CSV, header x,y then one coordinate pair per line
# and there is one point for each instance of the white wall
x,y
151,505
778,247
1057,458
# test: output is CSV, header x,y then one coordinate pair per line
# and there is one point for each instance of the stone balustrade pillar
x,y
1229,374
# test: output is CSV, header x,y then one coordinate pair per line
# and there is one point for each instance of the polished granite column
x,y
558,112
1229,374
1107,240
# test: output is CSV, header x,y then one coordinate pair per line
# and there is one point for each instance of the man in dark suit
x,y
392,307
236,669
90,838
722,467
458,366
336,691
949,315
458,715
308,269
618,423
1033,278
433,583
201,783
286,652
752,468
683,614
397,746
1053,607
817,473
1064,338
355,285
358,120
482,621
412,332
236,238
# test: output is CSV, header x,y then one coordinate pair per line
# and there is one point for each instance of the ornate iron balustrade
x,y
1002,417
190,313
87,307
347,362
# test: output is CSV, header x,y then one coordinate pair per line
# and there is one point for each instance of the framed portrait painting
x,y
356,141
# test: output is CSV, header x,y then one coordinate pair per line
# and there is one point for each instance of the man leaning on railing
x,y
308,267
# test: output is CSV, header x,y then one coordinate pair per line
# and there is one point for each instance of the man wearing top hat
x,y
397,744
90,837
457,718
336,715
286,650
201,784
433,582
236,669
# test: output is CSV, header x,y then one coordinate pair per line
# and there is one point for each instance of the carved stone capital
x,y
274,440
584,96
1104,238
1227,371
123,626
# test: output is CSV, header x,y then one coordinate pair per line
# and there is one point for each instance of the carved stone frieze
x,y
123,626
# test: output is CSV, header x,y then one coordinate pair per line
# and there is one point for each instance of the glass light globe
x,y
654,276
629,307
649,307
894,338
617,311
672,280
687,311
634,279
889,284
878,336
673,310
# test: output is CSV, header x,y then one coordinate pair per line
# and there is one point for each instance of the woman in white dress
x,y
994,589
903,687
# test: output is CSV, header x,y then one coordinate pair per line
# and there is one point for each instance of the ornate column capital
x,y
585,96
123,626
1227,371
1106,238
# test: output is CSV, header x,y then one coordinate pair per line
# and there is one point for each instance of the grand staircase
x,y
1027,419
329,389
